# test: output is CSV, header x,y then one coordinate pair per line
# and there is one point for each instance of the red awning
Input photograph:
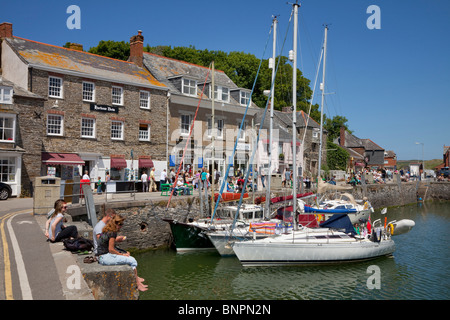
x,y
68,159
145,163
118,163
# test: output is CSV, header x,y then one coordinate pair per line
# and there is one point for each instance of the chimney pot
x,y
76,46
137,49
6,30
342,137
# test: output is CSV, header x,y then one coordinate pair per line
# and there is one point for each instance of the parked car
x,y
5,191
445,171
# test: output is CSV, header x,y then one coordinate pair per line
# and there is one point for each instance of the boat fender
x,y
390,229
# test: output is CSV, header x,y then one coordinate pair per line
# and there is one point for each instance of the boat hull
x,y
223,242
283,253
189,237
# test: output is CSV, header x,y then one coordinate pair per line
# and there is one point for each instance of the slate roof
x,y
352,141
164,68
19,91
83,63
282,121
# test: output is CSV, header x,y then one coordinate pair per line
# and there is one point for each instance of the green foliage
x,y
112,49
337,157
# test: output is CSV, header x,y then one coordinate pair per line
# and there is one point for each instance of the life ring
x,y
390,228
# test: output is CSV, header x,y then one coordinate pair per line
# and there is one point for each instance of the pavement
x,y
30,267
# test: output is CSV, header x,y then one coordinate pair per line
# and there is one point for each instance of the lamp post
x,y
423,162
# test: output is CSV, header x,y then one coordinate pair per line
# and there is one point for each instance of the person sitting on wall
x,y
108,254
55,230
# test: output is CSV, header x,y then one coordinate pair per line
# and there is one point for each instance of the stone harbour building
x,y
67,111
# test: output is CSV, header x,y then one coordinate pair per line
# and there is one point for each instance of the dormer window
x,y
244,97
221,93
6,95
189,87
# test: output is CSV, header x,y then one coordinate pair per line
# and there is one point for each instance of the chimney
x,y
76,46
6,30
342,137
137,49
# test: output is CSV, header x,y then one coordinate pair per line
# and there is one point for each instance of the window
x,y
185,123
242,135
244,97
189,87
6,95
117,95
7,169
55,125
219,128
144,132
144,99
87,127
7,127
88,91
55,88
221,93
117,130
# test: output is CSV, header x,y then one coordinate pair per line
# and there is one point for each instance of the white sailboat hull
x,y
299,249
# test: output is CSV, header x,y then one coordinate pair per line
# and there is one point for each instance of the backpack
x,y
78,244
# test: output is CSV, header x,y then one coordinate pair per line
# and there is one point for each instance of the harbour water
x,y
418,270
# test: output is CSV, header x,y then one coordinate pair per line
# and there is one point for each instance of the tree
x,y
112,49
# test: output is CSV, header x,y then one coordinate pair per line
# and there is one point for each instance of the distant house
x,y
390,160
365,152
187,83
282,158
445,158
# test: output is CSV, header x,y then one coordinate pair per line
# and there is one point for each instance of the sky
x,y
390,82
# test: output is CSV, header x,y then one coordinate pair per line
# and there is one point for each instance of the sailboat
x,y
334,242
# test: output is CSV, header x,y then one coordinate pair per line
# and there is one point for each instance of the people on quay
x,y
152,180
144,179
109,254
86,175
99,185
162,178
55,230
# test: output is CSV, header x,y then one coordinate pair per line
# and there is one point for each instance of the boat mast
x,y
212,140
294,119
322,88
269,147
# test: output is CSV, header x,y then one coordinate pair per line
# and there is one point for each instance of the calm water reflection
x,y
419,269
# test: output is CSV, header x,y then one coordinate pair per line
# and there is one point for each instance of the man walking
x,y
144,179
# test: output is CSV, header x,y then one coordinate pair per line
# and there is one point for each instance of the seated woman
x,y
55,230
110,255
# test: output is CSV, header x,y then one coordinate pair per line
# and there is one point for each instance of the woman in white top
x,y
55,230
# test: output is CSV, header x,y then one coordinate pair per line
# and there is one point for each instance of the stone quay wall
x,y
145,228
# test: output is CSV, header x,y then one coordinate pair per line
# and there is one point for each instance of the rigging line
x,y
312,98
247,173
189,137
224,182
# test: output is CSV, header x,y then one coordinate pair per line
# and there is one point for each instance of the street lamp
x,y
423,163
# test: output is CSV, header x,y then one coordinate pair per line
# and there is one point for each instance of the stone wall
x,y
73,108
145,228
